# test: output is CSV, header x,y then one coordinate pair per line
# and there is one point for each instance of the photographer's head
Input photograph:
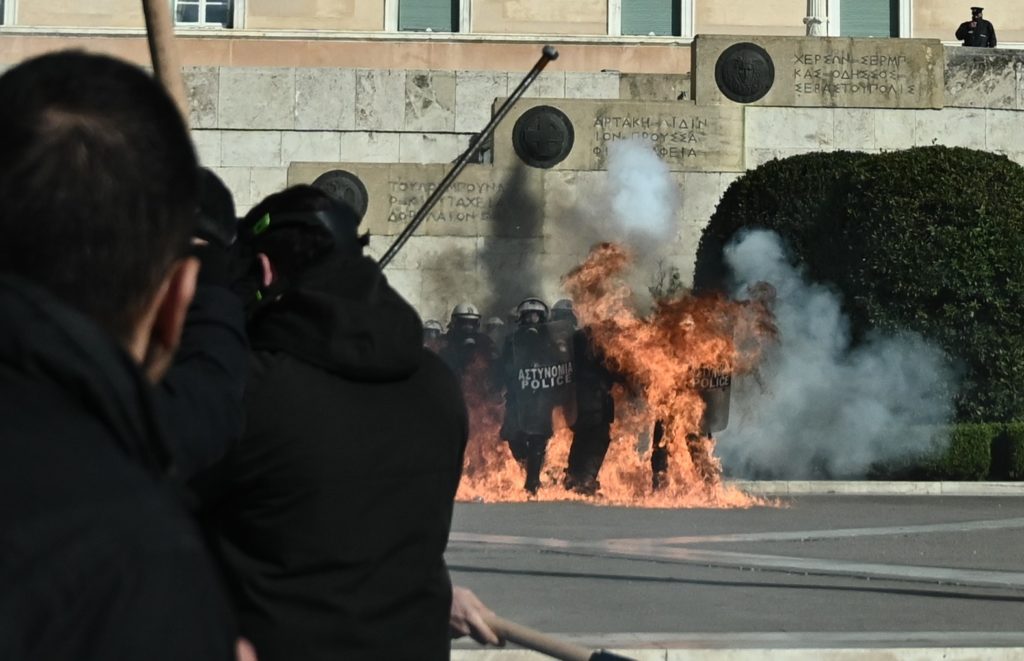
x,y
98,196
298,228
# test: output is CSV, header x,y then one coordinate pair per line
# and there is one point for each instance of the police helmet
x,y
433,325
493,323
563,310
530,305
465,310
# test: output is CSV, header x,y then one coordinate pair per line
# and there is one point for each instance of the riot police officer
x,y
539,376
464,342
494,328
595,409
433,335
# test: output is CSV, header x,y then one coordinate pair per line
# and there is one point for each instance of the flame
x,y
656,356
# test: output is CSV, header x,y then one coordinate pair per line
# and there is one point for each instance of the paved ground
x,y
842,570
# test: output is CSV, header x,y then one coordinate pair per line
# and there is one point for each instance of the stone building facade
x,y
272,105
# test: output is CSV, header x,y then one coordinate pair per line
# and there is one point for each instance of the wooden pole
x,y
164,53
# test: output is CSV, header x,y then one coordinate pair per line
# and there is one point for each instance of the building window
x,y
869,18
204,12
651,17
428,15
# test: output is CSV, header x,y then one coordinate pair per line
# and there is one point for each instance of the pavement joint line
x,y
785,639
911,573
814,535
782,488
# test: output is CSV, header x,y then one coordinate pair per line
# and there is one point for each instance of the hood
x,y
43,339
342,316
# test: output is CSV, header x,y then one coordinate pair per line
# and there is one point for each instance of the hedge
x,y
1008,453
929,240
963,452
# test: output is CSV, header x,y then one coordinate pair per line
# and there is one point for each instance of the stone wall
x,y
261,129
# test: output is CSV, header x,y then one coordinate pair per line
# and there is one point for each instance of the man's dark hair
x,y
294,247
97,183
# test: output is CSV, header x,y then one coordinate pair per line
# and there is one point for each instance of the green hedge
x,y
929,239
963,452
968,456
1008,453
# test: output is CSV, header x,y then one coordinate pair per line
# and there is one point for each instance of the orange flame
x,y
656,355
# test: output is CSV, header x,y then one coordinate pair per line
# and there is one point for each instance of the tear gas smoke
x,y
643,196
817,407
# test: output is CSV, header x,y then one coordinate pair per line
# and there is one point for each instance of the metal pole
x,y
548,54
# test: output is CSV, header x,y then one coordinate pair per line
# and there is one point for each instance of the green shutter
x,y
646,16
869,18
438,15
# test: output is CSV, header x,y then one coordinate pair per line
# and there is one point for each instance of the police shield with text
x,y
714,385
595,408
539,377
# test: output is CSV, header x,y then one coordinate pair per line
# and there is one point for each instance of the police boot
x,y
534,462
659,467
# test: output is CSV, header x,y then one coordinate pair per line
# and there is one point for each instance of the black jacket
x,y
339,497
98,560
201,396
982,35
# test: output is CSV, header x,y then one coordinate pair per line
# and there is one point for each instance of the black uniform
x,y
982,35
98,559
461,350
339,497
595,412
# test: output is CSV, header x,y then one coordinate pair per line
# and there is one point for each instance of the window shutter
x,y
869,18
438,15
642,17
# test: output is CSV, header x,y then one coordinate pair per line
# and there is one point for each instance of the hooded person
x,y
334,509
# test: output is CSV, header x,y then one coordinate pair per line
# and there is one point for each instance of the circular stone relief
x,y
543,136
744,72
345,186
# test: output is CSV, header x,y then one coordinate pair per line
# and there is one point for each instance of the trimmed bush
x,y
961,452
968,456
1008,453
928,240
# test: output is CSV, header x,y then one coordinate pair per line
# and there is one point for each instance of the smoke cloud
x,y
635,203
818,407
644,197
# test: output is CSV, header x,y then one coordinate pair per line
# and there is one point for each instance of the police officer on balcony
x,y
977,32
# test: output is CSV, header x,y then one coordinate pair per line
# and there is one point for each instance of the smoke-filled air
x,y
815,407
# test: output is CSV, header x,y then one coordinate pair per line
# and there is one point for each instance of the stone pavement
x,y
818,576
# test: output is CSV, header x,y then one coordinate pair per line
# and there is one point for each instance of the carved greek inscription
x,y
673,138
844,74
463,202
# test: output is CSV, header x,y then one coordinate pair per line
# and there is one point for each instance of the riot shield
x,y
714,384
543,375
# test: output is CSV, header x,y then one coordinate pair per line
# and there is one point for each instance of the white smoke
x,y
644,198
817,407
